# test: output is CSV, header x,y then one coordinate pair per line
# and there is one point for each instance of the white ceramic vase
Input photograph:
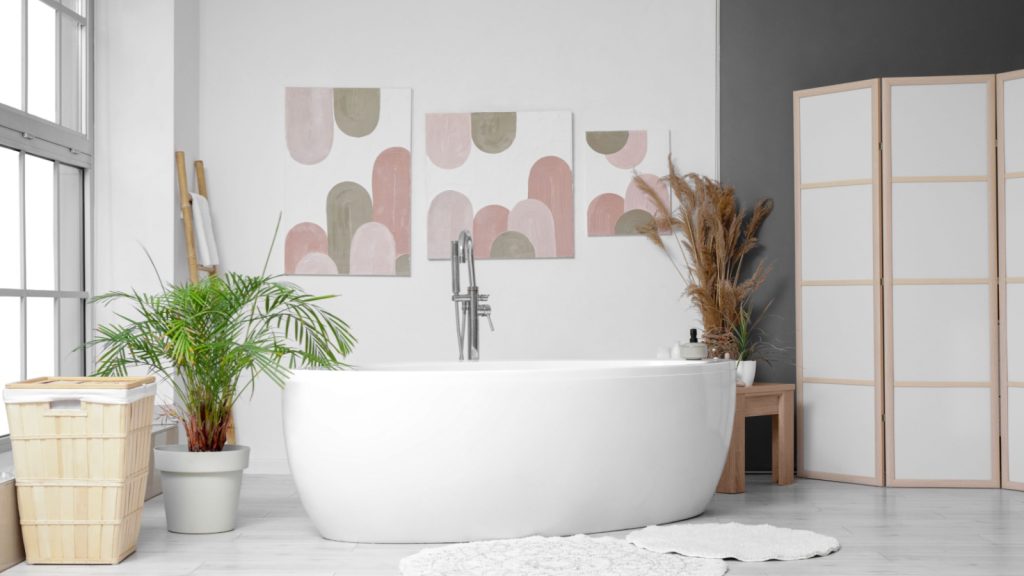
x,y
201,488
745,370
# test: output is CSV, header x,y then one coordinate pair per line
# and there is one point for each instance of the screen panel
x,y
927,220
1015,440
941,289
951,318
926,140
1010,127
940,429
837,133
838,414
837,334
838,276
825,234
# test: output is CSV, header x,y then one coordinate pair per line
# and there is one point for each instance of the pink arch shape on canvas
x,y
488,224
392,201
632,153
533,219
373,251
450,213
636,199
551,182
309,123
303,238
316,264
602,214
449,139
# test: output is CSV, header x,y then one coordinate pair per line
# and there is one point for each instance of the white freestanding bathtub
x,y
449,452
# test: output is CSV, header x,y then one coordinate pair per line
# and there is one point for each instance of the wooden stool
x,y
775,400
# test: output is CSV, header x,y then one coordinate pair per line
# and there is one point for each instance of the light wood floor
x,y
896,531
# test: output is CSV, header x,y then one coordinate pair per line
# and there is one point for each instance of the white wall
x,y
615,64
147,106
186,111
133,180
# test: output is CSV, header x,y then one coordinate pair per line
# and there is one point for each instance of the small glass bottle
x,y
694,350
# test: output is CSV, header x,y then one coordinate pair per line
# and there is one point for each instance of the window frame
x,y
18,124
31,135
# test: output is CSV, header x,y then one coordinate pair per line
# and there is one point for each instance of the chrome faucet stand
x,y
469,306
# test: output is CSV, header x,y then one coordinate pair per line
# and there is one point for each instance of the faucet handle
x,y
485,311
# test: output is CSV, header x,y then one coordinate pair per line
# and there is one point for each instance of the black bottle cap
x,y
693,335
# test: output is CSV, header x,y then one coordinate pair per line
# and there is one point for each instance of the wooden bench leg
x,y
733,480
775,448
782,441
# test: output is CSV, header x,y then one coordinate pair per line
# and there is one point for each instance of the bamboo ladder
x,y
194,267
186,214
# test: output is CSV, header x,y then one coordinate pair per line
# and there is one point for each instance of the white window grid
x,y
29,134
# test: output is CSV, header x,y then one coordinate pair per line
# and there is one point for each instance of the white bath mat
x,y
744,542
539,556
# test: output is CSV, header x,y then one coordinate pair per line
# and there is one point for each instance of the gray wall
x,y
771,48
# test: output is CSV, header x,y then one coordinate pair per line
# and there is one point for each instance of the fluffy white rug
x,y
539,556
744,542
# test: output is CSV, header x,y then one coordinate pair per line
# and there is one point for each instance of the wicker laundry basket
x,y
81,457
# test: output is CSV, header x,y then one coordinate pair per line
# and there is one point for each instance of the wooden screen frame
x,y
875,181
1004,281
889,282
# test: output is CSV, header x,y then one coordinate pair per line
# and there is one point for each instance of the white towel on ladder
x,y
202,223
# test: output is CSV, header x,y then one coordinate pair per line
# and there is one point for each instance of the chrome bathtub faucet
x,y
469,307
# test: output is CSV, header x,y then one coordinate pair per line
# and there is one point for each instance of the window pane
x,y
42,60
10,348
39,337
39,216
72,235
10,219
72,334
70,73
10,53
76,5
10,339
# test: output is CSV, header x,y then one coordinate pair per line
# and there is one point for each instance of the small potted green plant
x,y
747,344
212,340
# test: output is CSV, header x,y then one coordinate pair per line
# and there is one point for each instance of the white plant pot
x,y
201,488
745,370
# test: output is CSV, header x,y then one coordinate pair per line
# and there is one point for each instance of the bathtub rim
x,y
570,369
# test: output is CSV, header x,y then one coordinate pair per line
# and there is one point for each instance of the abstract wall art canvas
x,y
347,193
616,206
504,176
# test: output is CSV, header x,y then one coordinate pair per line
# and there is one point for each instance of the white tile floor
x,y
895,531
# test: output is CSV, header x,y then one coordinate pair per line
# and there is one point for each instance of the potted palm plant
x,y
714,237
212,340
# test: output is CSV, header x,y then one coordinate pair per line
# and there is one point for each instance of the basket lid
x,y
81,383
